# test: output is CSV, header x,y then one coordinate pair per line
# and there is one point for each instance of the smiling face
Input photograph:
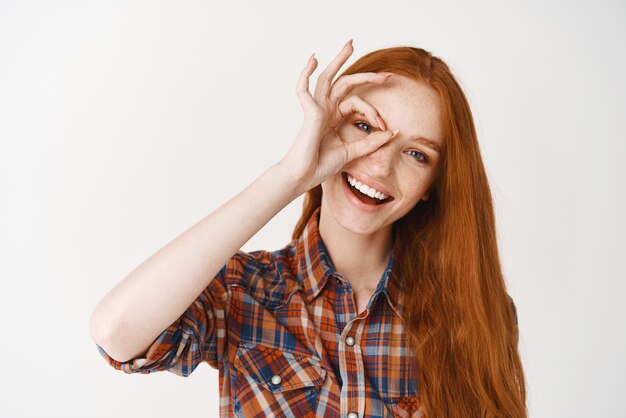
x,y
405,168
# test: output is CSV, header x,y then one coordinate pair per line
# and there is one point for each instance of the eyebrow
x,y
428,142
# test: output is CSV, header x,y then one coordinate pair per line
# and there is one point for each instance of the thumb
x,y
369,144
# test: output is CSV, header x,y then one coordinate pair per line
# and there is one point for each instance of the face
x,y
404,168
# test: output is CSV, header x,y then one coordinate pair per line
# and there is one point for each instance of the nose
x,y
381,161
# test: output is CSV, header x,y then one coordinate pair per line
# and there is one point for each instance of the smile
x,y
363,200
366,189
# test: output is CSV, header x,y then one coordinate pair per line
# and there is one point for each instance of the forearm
x,y
132,314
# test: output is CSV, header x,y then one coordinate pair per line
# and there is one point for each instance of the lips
x,y
369,182
351,195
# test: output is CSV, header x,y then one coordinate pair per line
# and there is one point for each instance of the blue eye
x,y
363,123
423,159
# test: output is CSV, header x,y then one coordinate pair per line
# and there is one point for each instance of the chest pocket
x,y
408,407
273,382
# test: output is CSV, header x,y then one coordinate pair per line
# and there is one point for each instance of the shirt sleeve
x,y
198,335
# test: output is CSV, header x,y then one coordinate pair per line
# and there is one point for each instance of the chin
x,y
355,223
345,214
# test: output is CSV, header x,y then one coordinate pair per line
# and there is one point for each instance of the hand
x,y
318,151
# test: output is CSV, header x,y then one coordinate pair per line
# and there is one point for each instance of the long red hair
x,y
461,323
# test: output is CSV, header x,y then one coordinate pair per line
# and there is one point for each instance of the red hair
x,y
461,323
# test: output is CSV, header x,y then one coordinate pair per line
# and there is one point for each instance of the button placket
x,y
352,370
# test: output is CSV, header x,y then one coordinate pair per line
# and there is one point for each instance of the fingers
x,y
345,83
369,144
354,104
302,88
322,88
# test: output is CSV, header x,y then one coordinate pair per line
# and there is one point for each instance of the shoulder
x,y
269,277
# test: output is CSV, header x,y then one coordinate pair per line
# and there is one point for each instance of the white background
x,y
123,123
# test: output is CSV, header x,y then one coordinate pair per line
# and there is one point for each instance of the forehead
x,y
406,104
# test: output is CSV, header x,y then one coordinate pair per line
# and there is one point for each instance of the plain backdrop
x,y
122,123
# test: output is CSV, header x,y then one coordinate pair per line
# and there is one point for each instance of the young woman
x,y
390,299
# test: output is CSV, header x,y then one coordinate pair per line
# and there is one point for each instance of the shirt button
x,y
276,379
350,342
353,415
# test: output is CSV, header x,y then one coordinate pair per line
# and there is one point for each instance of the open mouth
x,y
372,201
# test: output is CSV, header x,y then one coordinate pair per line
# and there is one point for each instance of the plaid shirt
x,y
282,329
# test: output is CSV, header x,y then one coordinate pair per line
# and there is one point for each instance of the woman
x,y
389,301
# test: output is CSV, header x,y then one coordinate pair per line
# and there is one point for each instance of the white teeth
x,y
365,189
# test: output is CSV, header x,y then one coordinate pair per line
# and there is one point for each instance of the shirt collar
x,y
315,267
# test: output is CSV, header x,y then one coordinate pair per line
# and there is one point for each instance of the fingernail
x,y
395,132
381,125
348,43
311,57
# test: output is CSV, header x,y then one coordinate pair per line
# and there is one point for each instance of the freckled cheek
x,y
415,187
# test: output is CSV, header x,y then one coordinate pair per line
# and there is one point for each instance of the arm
x,y
132,314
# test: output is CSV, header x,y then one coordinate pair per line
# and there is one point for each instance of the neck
x,y
362,258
